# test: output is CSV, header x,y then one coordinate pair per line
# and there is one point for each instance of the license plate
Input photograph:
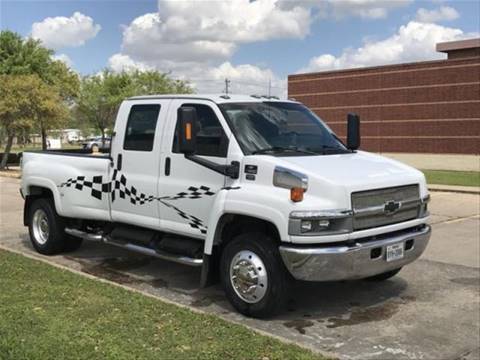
x,y
395,252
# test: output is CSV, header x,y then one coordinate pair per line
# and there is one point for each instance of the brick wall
x,y
431,107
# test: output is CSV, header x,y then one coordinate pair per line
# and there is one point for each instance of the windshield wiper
x,y
280,149
330,148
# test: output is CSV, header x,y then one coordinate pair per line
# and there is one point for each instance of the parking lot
x,y
431,310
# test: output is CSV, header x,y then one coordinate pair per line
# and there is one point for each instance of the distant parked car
x,y
96,144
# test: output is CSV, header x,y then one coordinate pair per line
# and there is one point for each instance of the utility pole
x,y
227,83
269,87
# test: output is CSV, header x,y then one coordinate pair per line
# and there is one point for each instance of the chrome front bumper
x,y
344,262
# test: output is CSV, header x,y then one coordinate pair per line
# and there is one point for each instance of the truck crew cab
x,y
254,190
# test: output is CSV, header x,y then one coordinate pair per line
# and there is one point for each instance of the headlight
x,y
289,179
327,222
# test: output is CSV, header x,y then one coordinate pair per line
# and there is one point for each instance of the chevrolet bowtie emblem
x,y
391,207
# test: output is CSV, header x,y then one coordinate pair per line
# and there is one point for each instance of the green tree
x,y
19,56
154,82
25,100
101,94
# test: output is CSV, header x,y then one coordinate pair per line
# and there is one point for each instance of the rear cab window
x,y
141,124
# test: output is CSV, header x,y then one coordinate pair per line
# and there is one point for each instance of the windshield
x,y
280,128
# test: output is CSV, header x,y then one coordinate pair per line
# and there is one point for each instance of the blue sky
x,y
252,43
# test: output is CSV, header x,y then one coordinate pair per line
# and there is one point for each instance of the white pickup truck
x,y
255,190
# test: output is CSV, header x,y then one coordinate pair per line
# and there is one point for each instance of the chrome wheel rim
x,y
40,226
248,276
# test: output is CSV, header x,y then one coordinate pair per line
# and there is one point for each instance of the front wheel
x,y
253,275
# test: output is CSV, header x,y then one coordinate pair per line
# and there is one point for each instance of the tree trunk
x,y
103,137
3,164
44,139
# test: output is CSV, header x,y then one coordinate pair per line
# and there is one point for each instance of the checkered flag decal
x,y
119,189
97,186
192,193
193,221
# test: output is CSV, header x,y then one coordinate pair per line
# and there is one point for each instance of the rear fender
x,y
36,187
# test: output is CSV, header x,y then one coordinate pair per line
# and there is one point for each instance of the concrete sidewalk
x,y
456,162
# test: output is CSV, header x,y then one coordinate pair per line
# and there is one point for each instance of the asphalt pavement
x,y
431,310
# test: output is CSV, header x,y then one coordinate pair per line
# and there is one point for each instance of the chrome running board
x,y
137,248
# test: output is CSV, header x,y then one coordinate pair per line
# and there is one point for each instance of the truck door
x,y
187,190
136,150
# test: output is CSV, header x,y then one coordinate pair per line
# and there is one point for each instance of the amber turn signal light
x,y
296,194
188,131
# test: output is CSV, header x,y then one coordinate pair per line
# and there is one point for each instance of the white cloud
x,y
443,13
244,78
63,58
414,41
233,21
204,31
120,62
58,32
340,9
195,40
368,9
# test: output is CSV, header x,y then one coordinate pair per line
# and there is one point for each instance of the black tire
x,y
275,298
54,242
384,276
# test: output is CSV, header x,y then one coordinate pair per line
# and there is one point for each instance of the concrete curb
x,y
168,301
10,175
455,189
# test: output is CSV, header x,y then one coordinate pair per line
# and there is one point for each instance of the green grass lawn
x,y
48,313
462,178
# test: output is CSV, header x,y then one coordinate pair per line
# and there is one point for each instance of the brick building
x,y
429,107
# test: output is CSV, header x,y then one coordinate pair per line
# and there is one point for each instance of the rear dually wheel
x,y
46,229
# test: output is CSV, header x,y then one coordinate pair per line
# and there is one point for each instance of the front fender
x,y
242,202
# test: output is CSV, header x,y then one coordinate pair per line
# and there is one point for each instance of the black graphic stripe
x,y
117,187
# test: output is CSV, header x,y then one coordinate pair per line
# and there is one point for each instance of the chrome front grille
x,y
373,208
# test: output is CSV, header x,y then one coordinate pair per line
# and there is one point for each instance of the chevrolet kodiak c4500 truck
x,y
254,190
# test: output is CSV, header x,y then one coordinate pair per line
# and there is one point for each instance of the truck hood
x,y
354,171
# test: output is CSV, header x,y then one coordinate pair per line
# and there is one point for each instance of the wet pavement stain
x,y
370,314
207,300
108,274
299,325
158,283
125,264
408,298
111,268
473,281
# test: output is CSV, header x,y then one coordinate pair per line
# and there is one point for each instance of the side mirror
x,y
353,131
187,136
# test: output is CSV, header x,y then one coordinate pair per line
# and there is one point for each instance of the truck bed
x,y
79,182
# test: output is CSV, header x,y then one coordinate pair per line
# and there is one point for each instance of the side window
x,y
141,125
211,139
